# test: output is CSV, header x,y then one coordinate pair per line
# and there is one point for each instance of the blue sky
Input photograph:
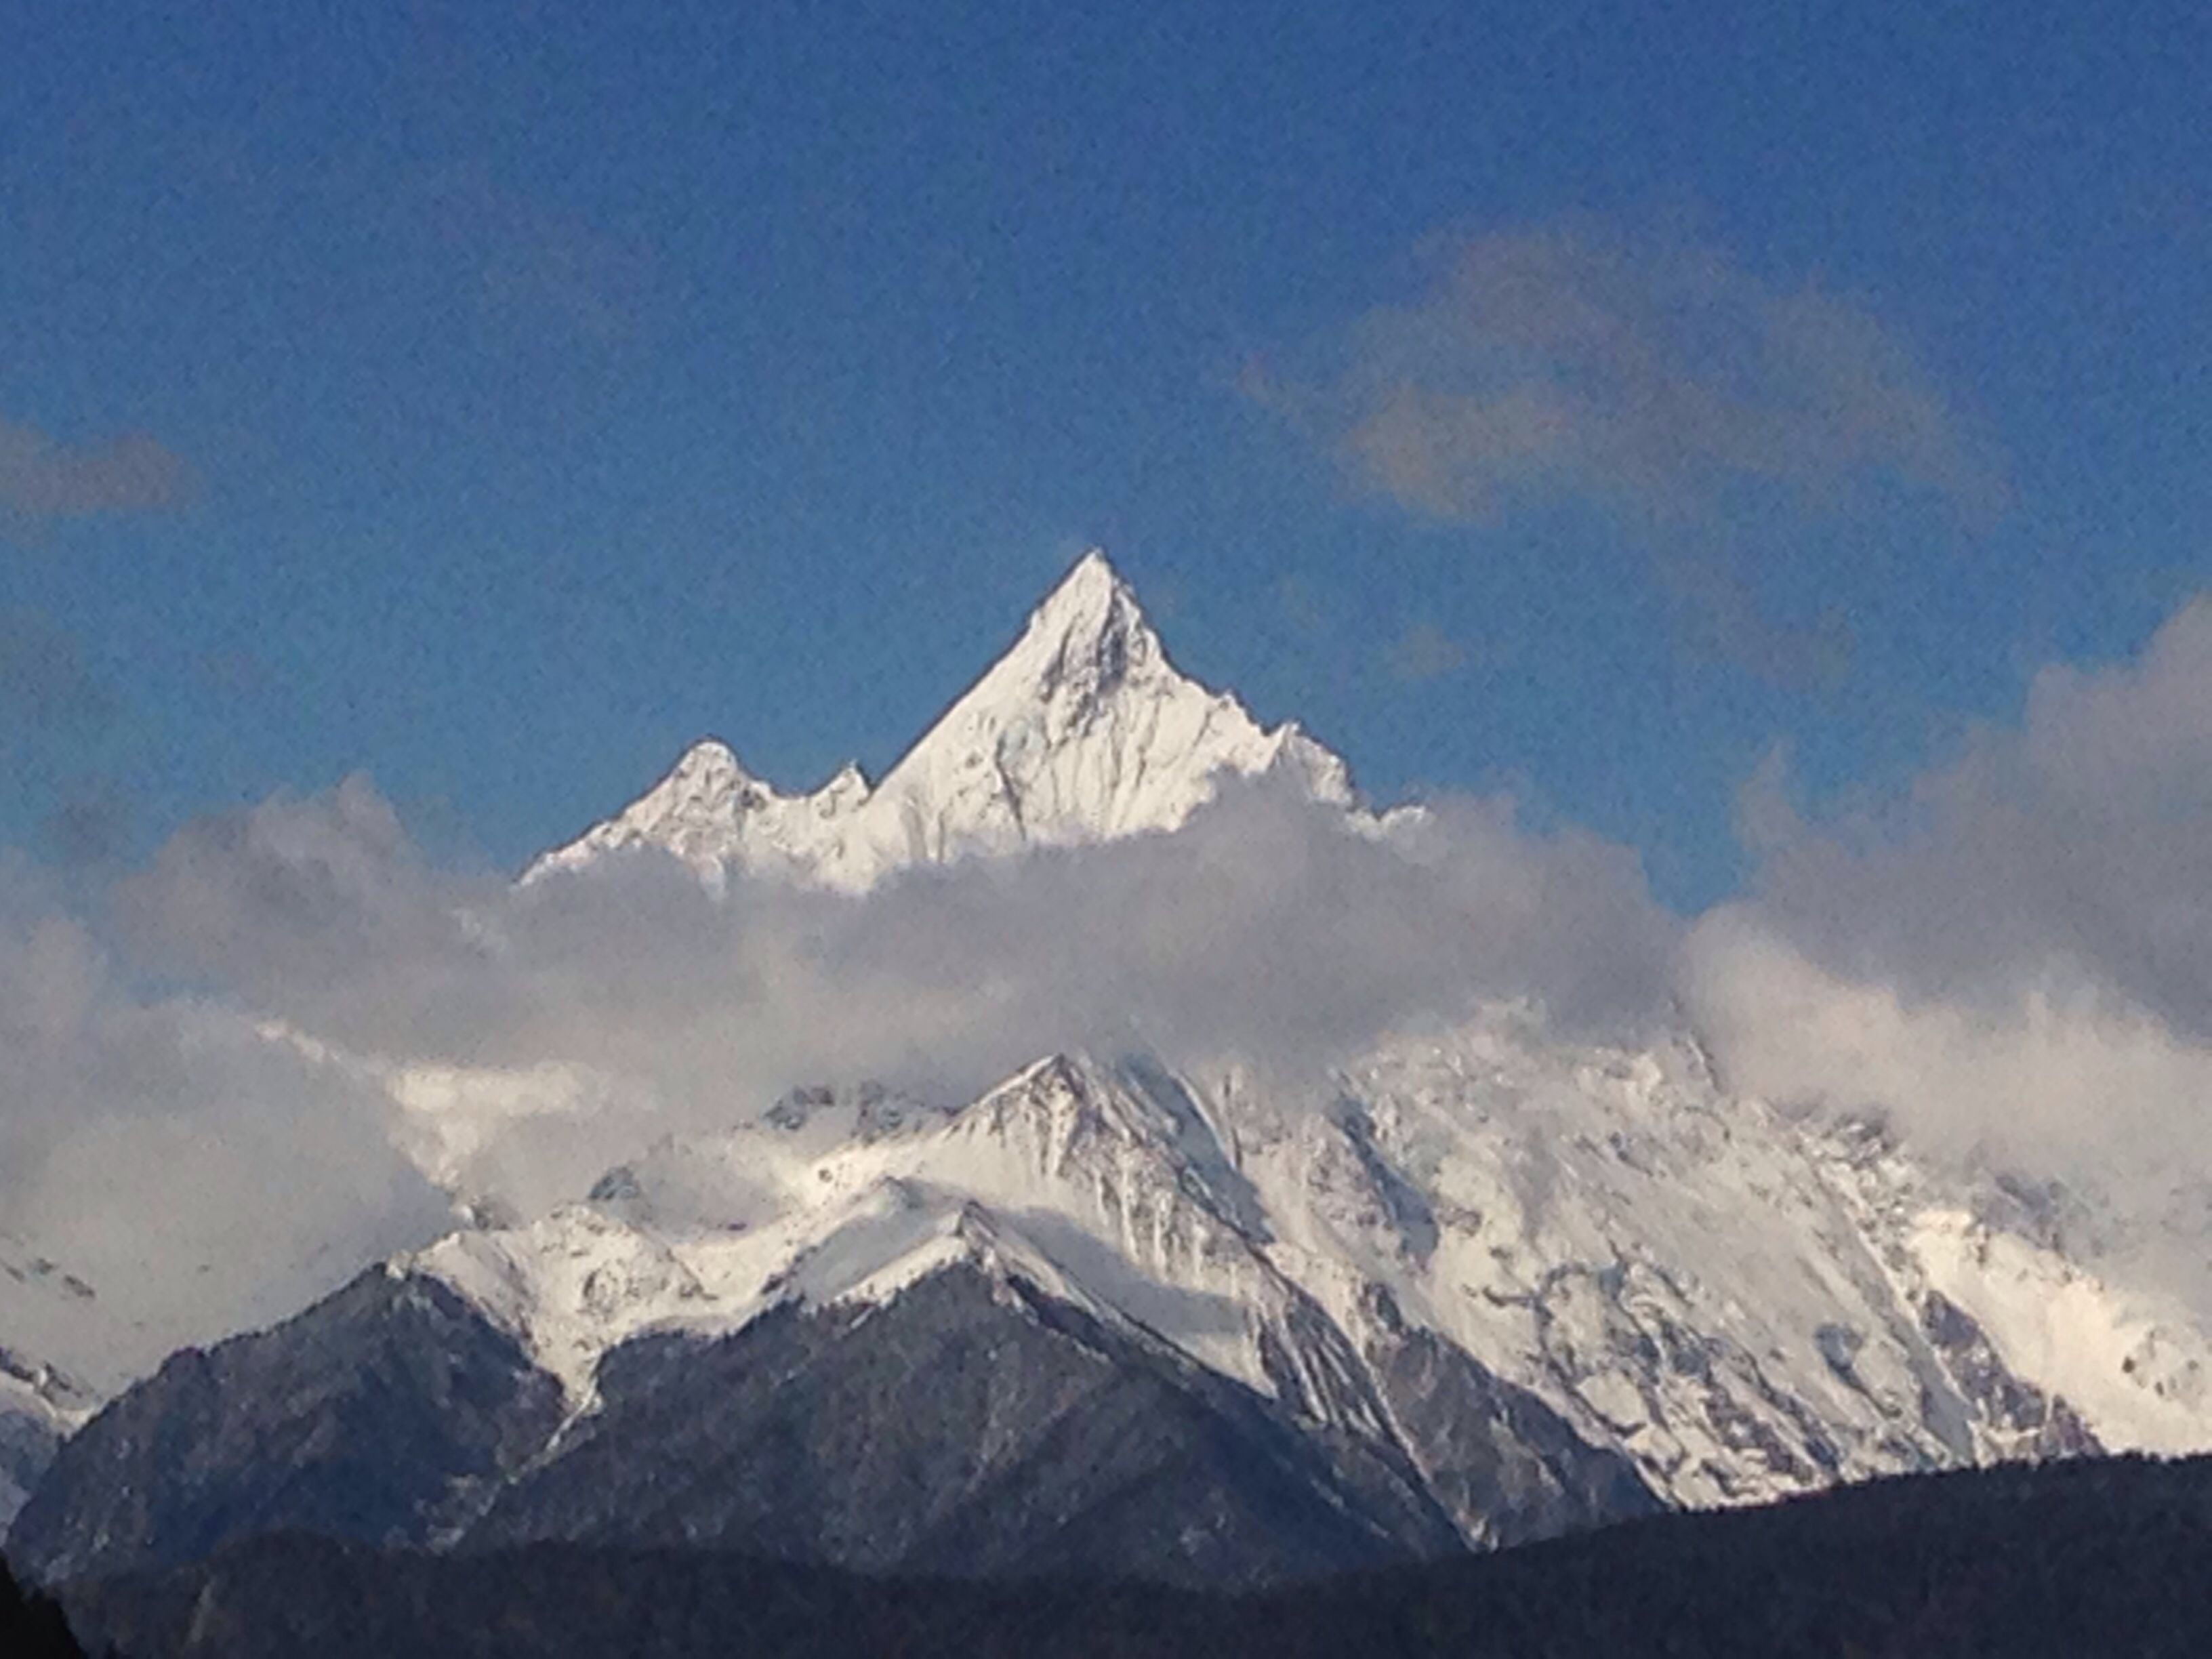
x,y
1584,399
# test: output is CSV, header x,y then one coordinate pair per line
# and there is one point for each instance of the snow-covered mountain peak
x,y
1086,641
1084,730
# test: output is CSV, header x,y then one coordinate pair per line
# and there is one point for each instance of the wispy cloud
x,y
41,479
541,267
1300,603
1644,371
1718,616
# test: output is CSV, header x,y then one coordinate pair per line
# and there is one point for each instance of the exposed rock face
x,y
965,1423
1504,1465
376,1415
970,1427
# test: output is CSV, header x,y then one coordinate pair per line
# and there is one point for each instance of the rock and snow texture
x,y
1083,731
1597,1250
49,1327
716,817
1739,1303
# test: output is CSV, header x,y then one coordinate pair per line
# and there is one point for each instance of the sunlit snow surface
x,y
1083,731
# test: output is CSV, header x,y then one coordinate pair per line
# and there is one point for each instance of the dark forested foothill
x,y
2095,1557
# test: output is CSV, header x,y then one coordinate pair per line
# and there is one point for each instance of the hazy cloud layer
x,y
40,478
204,1179
1265,927
1644,371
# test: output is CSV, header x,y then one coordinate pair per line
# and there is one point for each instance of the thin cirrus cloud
x,y
553,276
45,682
1647,372
41,479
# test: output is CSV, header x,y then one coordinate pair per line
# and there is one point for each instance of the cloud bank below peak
x,y
2012,961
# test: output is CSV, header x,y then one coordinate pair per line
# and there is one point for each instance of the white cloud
x,y
203,1180
156,1140
2015,962
2075,842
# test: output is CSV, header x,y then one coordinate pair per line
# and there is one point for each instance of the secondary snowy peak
x,y
716,815
1083,731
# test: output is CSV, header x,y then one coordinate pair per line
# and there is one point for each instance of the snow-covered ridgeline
x,y
1083,731
1744,1304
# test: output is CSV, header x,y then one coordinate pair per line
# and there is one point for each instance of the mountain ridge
x,y
1362,1286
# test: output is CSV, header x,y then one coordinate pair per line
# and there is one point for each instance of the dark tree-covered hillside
x,y
2091,1557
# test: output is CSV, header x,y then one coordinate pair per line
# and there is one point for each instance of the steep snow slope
x,y
1082,1175
1679,1272
1083,731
